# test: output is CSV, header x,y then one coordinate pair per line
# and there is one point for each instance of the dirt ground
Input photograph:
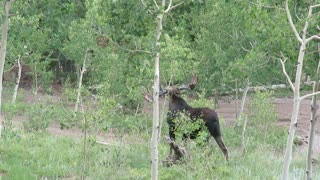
x,y
283,107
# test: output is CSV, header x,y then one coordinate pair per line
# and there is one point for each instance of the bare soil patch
x,y
283,107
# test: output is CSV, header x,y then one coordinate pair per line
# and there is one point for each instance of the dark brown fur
x,y
209,116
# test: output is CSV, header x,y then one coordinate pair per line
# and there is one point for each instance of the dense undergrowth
x,y
28,151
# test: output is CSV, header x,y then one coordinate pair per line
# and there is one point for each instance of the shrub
x,y
262,108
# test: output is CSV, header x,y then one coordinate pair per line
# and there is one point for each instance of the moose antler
x,y
191,85
162,92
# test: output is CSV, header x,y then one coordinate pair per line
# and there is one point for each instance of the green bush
x,y
39,117
262,108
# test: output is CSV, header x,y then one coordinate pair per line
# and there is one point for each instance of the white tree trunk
x,y
15,91
294,115
296,87
35,91
156,114
83,70
3,50
314,108
244,96
314,118
243,144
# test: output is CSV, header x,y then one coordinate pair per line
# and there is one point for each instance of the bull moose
x,y
178,105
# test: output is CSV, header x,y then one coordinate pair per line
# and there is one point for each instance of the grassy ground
x,y
36,155
31,152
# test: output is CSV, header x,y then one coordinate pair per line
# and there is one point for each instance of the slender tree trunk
x,y
314,118
243,101
243,144
35,91
84,163
303,40
237,100
295,113
3,50
83,70
156,114
313,121
15,91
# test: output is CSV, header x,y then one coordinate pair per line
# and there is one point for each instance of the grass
x,y
30,154
35,155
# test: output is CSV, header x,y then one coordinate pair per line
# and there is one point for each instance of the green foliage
x,y
185,126
219,40
40,116
178,59
101,108
202,101
234,43
262,108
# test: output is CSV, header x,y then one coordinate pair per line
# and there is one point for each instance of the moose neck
x,y
177,103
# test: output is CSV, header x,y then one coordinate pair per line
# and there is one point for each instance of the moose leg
x,y
214,129
171,134
171,124
172,128
222,146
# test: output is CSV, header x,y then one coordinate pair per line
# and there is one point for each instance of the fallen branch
x,y
107,144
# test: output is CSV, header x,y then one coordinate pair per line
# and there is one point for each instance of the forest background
x,y
225,42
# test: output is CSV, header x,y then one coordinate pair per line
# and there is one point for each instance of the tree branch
x,y
144,4
306,25
169,7
155,3
247,50
308,95
265,6
285,72
317,37
11,15
175,6
315,6
294,29
131,50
